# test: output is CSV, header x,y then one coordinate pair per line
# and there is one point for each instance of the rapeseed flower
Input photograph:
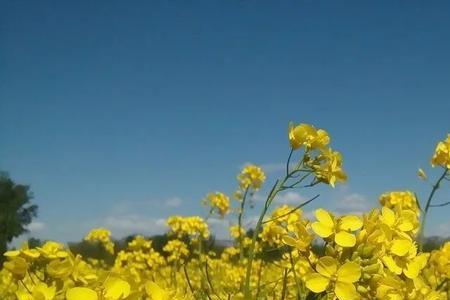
x,y
339,229
335,279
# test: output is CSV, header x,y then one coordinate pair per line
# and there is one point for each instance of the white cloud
x,y
219,227
273,167
343,202
347,202
173,202
290,198
126,217
269,168
136,206
124,225
250,221
354,202
309,215
259,197
443,229
36,226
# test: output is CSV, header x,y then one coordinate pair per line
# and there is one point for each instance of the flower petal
x,y
322,230
346,291
350,223
345,239
79,293
412,269
116,288
155,291
401,247
349,272
316,282
387,216
390,263
289,240
324,217
326,266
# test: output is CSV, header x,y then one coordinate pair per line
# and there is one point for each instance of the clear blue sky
x,y
120,113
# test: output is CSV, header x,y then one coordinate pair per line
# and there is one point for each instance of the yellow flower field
x,y
374,256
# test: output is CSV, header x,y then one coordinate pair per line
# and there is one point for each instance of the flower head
x,y
340,229
334,278
441,156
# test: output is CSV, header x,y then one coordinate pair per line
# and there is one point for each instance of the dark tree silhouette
x,y
16,211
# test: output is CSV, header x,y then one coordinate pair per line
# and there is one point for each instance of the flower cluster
x,y
325,162
177,251
251,177
194,227
103,236
284,253
441,156
219,202
400,200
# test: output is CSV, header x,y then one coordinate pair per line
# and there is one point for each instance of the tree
x,y
35,242
16,211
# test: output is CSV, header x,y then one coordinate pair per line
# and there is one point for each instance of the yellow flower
x,y
79,293
441,156
60,268
177,250
82,271
400,200
103,236
401,257
18,266
327,226
53,250
282,220
219,202
139,243
308,136
113,289
421,174
188,226
40,291
328,167
338,280
273,234
405,221
155,292
236,231
251,176
300,238
392,288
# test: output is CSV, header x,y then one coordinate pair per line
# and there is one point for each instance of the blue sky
x,y
119,114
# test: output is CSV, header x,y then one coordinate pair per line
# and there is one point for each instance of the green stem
x,y
292,210
258,288
283,291
289,161
275,189
241,213
188,280
295,274
427,207
209,280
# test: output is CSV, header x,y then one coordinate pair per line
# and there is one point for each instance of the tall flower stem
x,y
428,205
241,213
277,187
